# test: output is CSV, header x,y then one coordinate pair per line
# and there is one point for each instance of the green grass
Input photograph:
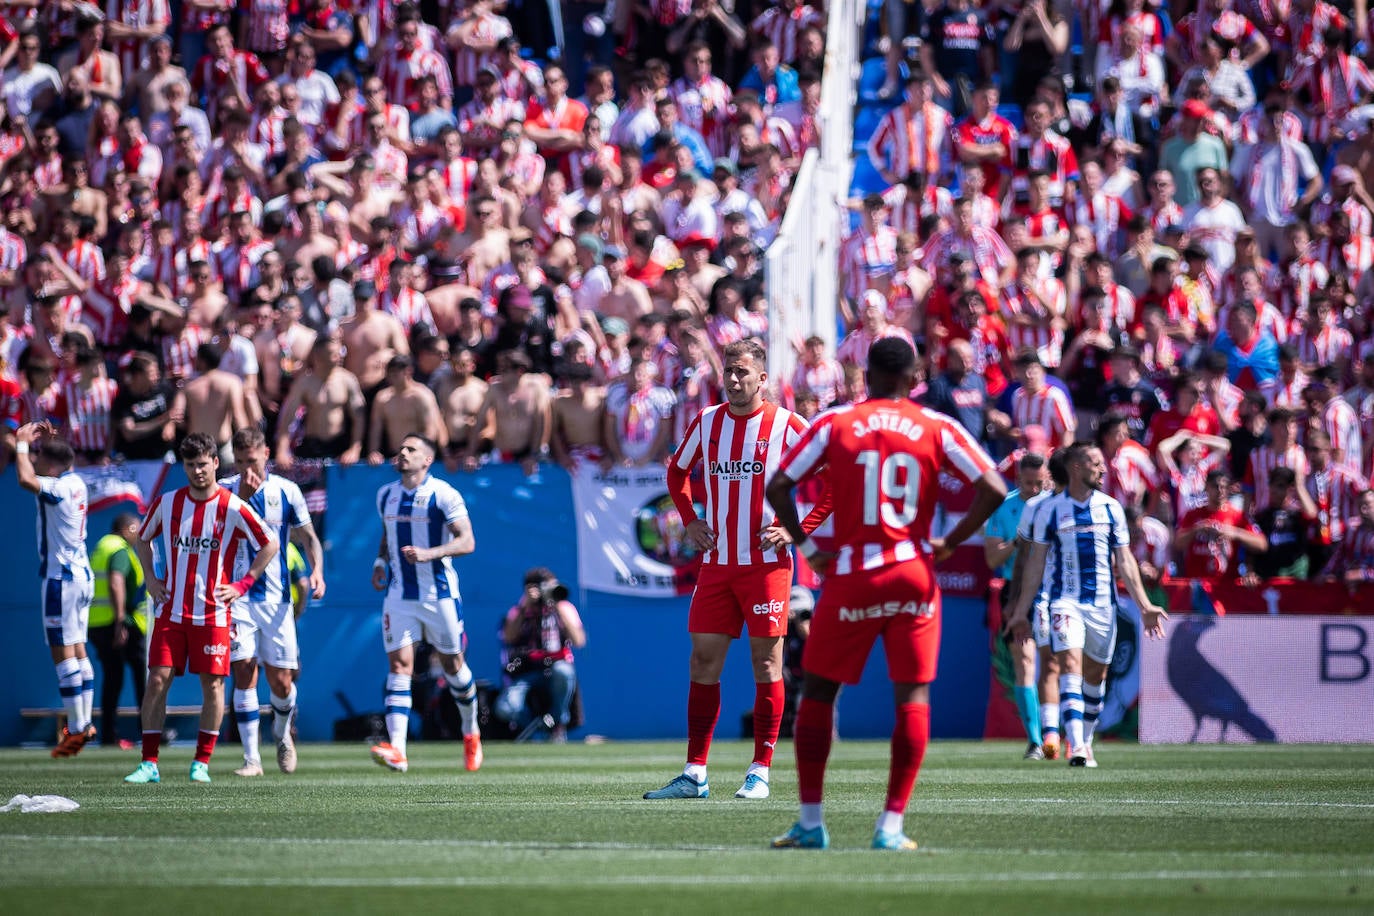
x,y
563,829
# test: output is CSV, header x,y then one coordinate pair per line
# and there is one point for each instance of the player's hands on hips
x,y
700,535
226,594
417,554
821,562
774,537
939,550
1152,619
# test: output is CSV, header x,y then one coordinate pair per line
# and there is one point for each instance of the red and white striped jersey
x,y
1050,153
1342,424
200,539
740,454
268,24
853,350
1289,393
883,459
1151,31
1361,222
86,260
84,412
105,308
179,352
1131,474
1044,302
199,19
1171,214
485,122
212,75
906,212
466,62
1335,87
866,255
983,247
1153,544
1194,28
397,120
704,106
1330,345
1298,280
825,380
1107,215
782,26
1336,491
419,228
1308,30
457,176
408,306
722,330
136,14
908,140
237,266
401,71
1264,459
265,130
1048,408
1352,259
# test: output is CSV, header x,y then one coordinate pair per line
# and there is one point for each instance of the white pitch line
x,y
755,880
1091,800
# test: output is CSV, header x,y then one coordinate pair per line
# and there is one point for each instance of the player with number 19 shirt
x,y
882,459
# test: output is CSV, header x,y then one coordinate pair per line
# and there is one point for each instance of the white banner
x,y
132,481
629,535
1243,678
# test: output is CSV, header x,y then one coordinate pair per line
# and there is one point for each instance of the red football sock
x,y
703,709
768,703
205,745
151,742
811,735
909,740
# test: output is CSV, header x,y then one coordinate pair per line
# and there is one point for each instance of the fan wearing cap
x,y
627,298
1192,149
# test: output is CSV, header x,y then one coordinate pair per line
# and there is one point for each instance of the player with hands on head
x,y
882,459
43,465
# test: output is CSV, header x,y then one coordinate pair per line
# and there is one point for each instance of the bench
x,y
59,714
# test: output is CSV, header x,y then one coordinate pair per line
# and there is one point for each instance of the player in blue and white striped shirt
x,y
424,525
264,620
65,571
1079,539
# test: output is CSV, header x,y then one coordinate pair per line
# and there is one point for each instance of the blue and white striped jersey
x,y
1023,531
281,505
61,525
1081,538
420,518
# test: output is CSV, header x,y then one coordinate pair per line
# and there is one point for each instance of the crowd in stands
x,y
346,221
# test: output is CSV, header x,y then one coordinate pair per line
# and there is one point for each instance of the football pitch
x,y
562,829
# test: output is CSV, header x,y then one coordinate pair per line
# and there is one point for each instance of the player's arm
x,y
697,530
1247,538
294,398
1031,574
24,437
1152,617
462,543
379,565
157,587
779,495
571,623
996,549
308,541
989,492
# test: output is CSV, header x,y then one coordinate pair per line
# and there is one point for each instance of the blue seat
x,y
866,121
871,77
866,179
1012,113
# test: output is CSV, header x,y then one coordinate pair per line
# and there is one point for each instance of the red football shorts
x,y
901,603
730,597
205,650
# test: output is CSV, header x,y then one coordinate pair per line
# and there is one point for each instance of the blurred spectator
x,y
1284,529
513,421
1208,536
638,417
1353,561
539,634
403,407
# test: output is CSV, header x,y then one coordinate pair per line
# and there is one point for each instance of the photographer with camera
x,y
540,633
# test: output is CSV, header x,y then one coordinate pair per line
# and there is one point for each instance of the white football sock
x,y
398,705
246,715
463,688
87,692
889,822
69,685
811,816
282,710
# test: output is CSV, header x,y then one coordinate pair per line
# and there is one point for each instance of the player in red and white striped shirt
x,y
1038,403
913,137
200,527
746,572
882,459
